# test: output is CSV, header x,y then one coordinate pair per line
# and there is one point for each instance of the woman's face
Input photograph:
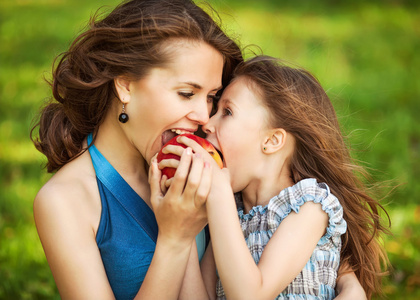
x,y
237,130
176,98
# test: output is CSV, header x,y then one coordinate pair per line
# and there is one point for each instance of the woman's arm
x,y
188,192
209,273
193,285
64,223
67,218
348,287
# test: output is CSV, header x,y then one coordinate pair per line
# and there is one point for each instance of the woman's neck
x,y
123,156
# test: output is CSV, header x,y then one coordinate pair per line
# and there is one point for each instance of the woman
x,y
130,79
130,82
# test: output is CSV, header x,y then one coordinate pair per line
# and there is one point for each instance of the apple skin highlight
x,y
170,172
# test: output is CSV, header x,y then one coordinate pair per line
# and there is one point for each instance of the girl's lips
x,y
218,151
221,155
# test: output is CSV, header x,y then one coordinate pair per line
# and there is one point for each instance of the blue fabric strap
x,y
123,192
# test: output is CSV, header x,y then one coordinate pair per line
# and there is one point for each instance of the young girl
x,y
302,207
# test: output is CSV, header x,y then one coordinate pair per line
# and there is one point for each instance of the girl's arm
x,y
283,258
348,287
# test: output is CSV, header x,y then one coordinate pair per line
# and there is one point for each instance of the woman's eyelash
x,y
213,98
187,95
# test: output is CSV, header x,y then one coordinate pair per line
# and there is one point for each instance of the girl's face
x,y
175,98
237,130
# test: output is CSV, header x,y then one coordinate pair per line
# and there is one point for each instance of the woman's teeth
x,y
179,131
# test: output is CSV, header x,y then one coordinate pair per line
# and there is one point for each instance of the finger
x,y
181,174
154,182
196,147
154,157
203,189
168,182
164,184
168,163
194,177
174,149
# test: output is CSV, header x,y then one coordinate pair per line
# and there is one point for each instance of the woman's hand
x,y
178,150
349,287
181,212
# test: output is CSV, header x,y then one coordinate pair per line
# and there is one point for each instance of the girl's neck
x,y
260,191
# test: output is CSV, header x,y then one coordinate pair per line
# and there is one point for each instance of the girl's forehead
x,y
239,89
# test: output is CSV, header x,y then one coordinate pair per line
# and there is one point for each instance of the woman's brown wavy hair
x,y
297,103
129,42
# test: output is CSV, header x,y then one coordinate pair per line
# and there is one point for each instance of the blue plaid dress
x,y
318,277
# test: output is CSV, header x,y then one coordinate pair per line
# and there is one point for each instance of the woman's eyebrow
x,y
193,84
199,87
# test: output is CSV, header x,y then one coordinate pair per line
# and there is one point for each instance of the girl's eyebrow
x,y
226,101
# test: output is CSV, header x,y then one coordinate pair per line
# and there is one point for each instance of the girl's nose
x,y
209,126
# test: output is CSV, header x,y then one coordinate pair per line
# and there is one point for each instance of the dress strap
x,y
123,192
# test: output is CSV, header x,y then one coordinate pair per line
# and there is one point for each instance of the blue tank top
x,y
127,231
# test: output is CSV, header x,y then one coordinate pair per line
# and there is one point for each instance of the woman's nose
x,y
200,112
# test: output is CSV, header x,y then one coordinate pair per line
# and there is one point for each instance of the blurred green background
x,y
365,53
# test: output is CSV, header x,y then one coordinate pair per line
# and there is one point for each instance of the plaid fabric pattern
x,y
318,277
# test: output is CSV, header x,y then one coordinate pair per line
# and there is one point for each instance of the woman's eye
x,y
186,95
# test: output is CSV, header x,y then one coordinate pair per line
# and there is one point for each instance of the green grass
x,y
365,54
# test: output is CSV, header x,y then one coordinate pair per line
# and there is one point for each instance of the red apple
x,y
170,172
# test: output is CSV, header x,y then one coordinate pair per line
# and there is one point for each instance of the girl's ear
x,y
274,141
122,86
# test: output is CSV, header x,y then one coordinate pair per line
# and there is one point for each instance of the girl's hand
x,y
197,148
221,183
181,212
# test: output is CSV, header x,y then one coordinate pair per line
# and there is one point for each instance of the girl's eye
x,y
186,95
227,112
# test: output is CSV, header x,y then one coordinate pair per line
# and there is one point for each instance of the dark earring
x,y
265,148
123,118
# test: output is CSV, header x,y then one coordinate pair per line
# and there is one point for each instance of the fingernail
x,y
189,151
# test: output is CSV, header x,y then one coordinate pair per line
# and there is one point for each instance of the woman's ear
x,y
122,86
275,140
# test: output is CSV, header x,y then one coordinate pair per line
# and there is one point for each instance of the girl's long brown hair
x,y
129,42
298,103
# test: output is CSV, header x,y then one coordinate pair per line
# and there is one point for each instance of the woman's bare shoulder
x,y
72,190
